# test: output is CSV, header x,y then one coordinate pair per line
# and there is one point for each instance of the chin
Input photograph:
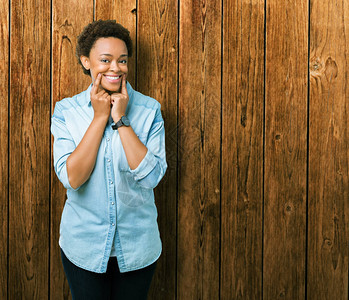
x,y
111,90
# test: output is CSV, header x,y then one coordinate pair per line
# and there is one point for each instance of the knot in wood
x,y
327,243
29,58
288,207
282,294
66,24
316,67
331,69
243,120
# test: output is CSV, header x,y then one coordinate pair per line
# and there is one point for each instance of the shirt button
x,y
108,160
111,182
113,224
112,203
108,139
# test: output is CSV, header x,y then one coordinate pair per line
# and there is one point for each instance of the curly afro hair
x,y
101,29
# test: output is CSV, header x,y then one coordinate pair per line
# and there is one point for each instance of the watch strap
x,y
119,123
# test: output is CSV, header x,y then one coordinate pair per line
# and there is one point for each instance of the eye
x,y
104,60
124,61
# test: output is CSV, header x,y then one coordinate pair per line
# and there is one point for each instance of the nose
x,y
114,66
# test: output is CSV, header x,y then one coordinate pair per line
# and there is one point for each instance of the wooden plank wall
x,y
255,97
285,176
29,150
4,109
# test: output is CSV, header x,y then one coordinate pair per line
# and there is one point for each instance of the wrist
x,y
117,117
103,119
123,121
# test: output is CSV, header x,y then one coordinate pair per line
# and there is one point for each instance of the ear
x,y
85,62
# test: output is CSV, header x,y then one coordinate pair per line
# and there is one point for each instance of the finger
x,y
96,84
102,93
123,88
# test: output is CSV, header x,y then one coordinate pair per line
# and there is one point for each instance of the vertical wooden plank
x,y
328,151
67,80
285,149
199,149
29,150
4,43
125,13
242,149
157,76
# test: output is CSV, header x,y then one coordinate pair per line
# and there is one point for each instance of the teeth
x,y
113,77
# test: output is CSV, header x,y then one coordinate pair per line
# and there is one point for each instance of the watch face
x,y
125,121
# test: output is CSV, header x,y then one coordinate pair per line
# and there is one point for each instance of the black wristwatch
x,y
124,121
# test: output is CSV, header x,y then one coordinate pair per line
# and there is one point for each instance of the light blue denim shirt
x,y
113,213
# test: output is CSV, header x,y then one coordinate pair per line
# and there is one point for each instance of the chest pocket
x,y
128,191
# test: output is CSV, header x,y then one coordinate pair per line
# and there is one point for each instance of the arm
x,y
147,161
134,149
82,160
153,167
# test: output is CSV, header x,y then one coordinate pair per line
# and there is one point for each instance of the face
x,y
109,57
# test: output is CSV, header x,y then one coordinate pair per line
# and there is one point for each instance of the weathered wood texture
x,y
157,36
67,80
285,161
254,204
29,150
242,149
328,241
199,149
4,46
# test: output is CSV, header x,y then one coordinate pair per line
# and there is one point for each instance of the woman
x,y
109,153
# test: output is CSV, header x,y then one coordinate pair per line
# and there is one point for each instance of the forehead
x,y
109,45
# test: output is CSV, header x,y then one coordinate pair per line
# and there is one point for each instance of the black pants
x,y
85,285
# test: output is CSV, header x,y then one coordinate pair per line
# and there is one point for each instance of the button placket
x,y
110,180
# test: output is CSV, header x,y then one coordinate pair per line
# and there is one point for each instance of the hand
x,y
100,99
119,101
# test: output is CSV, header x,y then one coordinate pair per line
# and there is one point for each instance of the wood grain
x,y
157,77
242,150
125,13
211,249
68,79
285,150
29,158
199,149
328,151
4,46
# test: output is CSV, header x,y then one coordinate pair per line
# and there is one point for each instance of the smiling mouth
x,y
111,78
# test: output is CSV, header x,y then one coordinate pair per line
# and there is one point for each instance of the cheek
x,y
96,68
124,69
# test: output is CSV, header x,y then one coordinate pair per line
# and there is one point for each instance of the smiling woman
x,y
108,57
109,235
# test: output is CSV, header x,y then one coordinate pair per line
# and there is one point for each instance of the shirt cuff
x,y
145,167
63,176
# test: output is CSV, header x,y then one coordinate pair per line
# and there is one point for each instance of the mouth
x,y
113,78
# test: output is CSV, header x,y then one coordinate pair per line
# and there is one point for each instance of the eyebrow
x,y
107,54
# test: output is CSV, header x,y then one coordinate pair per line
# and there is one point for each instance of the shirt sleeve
x,y
153,166
63,146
